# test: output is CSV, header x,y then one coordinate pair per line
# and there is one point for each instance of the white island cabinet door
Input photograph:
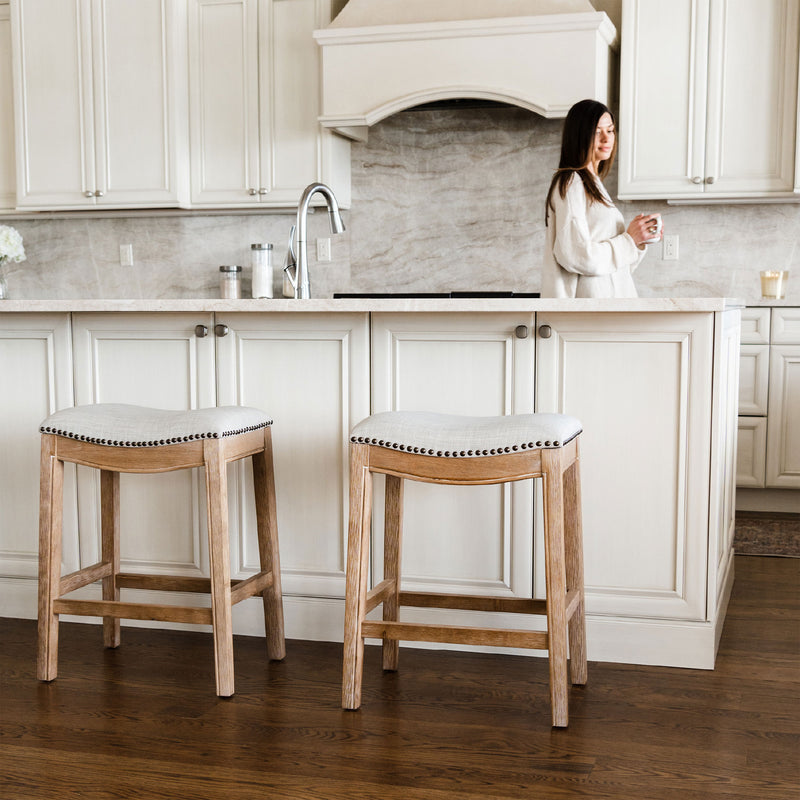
x,y
469,539
36,369
640,386
310,373
153,360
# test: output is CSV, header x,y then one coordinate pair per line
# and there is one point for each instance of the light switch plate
x,y
126,255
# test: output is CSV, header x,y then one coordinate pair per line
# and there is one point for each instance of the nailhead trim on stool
x,y
121,425
450,436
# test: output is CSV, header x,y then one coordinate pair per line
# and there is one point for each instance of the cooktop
x,y
459,294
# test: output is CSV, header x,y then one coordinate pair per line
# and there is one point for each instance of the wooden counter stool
x,y
441,448
123,438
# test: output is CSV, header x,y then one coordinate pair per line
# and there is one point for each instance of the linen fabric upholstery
x,y
121,425
453,436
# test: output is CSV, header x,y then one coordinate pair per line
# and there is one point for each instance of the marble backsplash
x,y
442,199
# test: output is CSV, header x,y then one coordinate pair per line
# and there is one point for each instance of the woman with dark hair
x,y
588,250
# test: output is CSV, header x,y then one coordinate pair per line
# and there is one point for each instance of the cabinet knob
x,y
697,179
710,179
252,192
521,331
200,331
545,331
88,194
263,191
221,330
98,193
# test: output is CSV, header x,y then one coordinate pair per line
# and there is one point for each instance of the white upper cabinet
x,y
254,104
8,195
708,99
100,96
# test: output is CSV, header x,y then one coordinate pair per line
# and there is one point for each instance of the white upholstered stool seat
x,y
116,438
459,450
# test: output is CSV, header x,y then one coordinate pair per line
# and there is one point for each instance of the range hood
x,y
379,57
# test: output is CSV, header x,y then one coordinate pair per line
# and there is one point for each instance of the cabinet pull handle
x,y
697,179
200,331
545,331
710,179
521,331
221,330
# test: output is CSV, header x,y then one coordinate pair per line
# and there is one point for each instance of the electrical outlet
x,y
323,249
670,247
126,255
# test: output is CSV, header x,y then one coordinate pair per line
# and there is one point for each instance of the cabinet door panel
x,y
475,539
325,361
753,379
135,112
290,98
150,360
663,97
752,158
644,453
8,194
53,90
223,47
783,431
751,452
36,365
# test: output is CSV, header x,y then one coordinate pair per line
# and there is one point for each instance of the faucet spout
x,y
302,285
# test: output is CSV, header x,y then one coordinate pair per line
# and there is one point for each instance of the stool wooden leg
x,y
267,523
357,569
219,558
574,564
109,532
556,582
51,499
392,559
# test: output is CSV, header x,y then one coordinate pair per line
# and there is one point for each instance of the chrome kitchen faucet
x,y
296,267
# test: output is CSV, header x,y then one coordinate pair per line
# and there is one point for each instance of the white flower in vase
x,y
11,249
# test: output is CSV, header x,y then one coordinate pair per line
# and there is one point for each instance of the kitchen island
x,y
654,382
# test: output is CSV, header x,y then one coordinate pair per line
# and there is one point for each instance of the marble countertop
x,y
529,305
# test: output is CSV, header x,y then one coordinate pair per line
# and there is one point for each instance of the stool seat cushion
x,y
121,425
452,436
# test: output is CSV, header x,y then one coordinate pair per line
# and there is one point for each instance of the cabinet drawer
x,y
753,380
786,326
751,452
755,325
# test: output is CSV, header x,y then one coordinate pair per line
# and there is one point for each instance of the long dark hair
x,y
577,145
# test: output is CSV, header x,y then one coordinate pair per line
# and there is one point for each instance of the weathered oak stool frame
x,y
117,438
437,448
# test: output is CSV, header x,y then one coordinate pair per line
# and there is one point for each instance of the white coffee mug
x,y
655,220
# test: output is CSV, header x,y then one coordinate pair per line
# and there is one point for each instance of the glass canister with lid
x,y
230,282
261,262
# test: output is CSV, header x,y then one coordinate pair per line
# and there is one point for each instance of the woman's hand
x,y
642,228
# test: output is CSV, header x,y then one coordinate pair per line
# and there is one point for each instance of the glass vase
x,y
3,287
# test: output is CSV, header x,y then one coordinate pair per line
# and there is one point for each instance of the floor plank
x,y
143,722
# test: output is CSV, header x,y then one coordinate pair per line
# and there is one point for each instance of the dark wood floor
x,y
142,722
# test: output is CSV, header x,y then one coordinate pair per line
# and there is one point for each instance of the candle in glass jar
x,y
773,284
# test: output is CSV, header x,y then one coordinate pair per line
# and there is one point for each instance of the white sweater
x,y
587,251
